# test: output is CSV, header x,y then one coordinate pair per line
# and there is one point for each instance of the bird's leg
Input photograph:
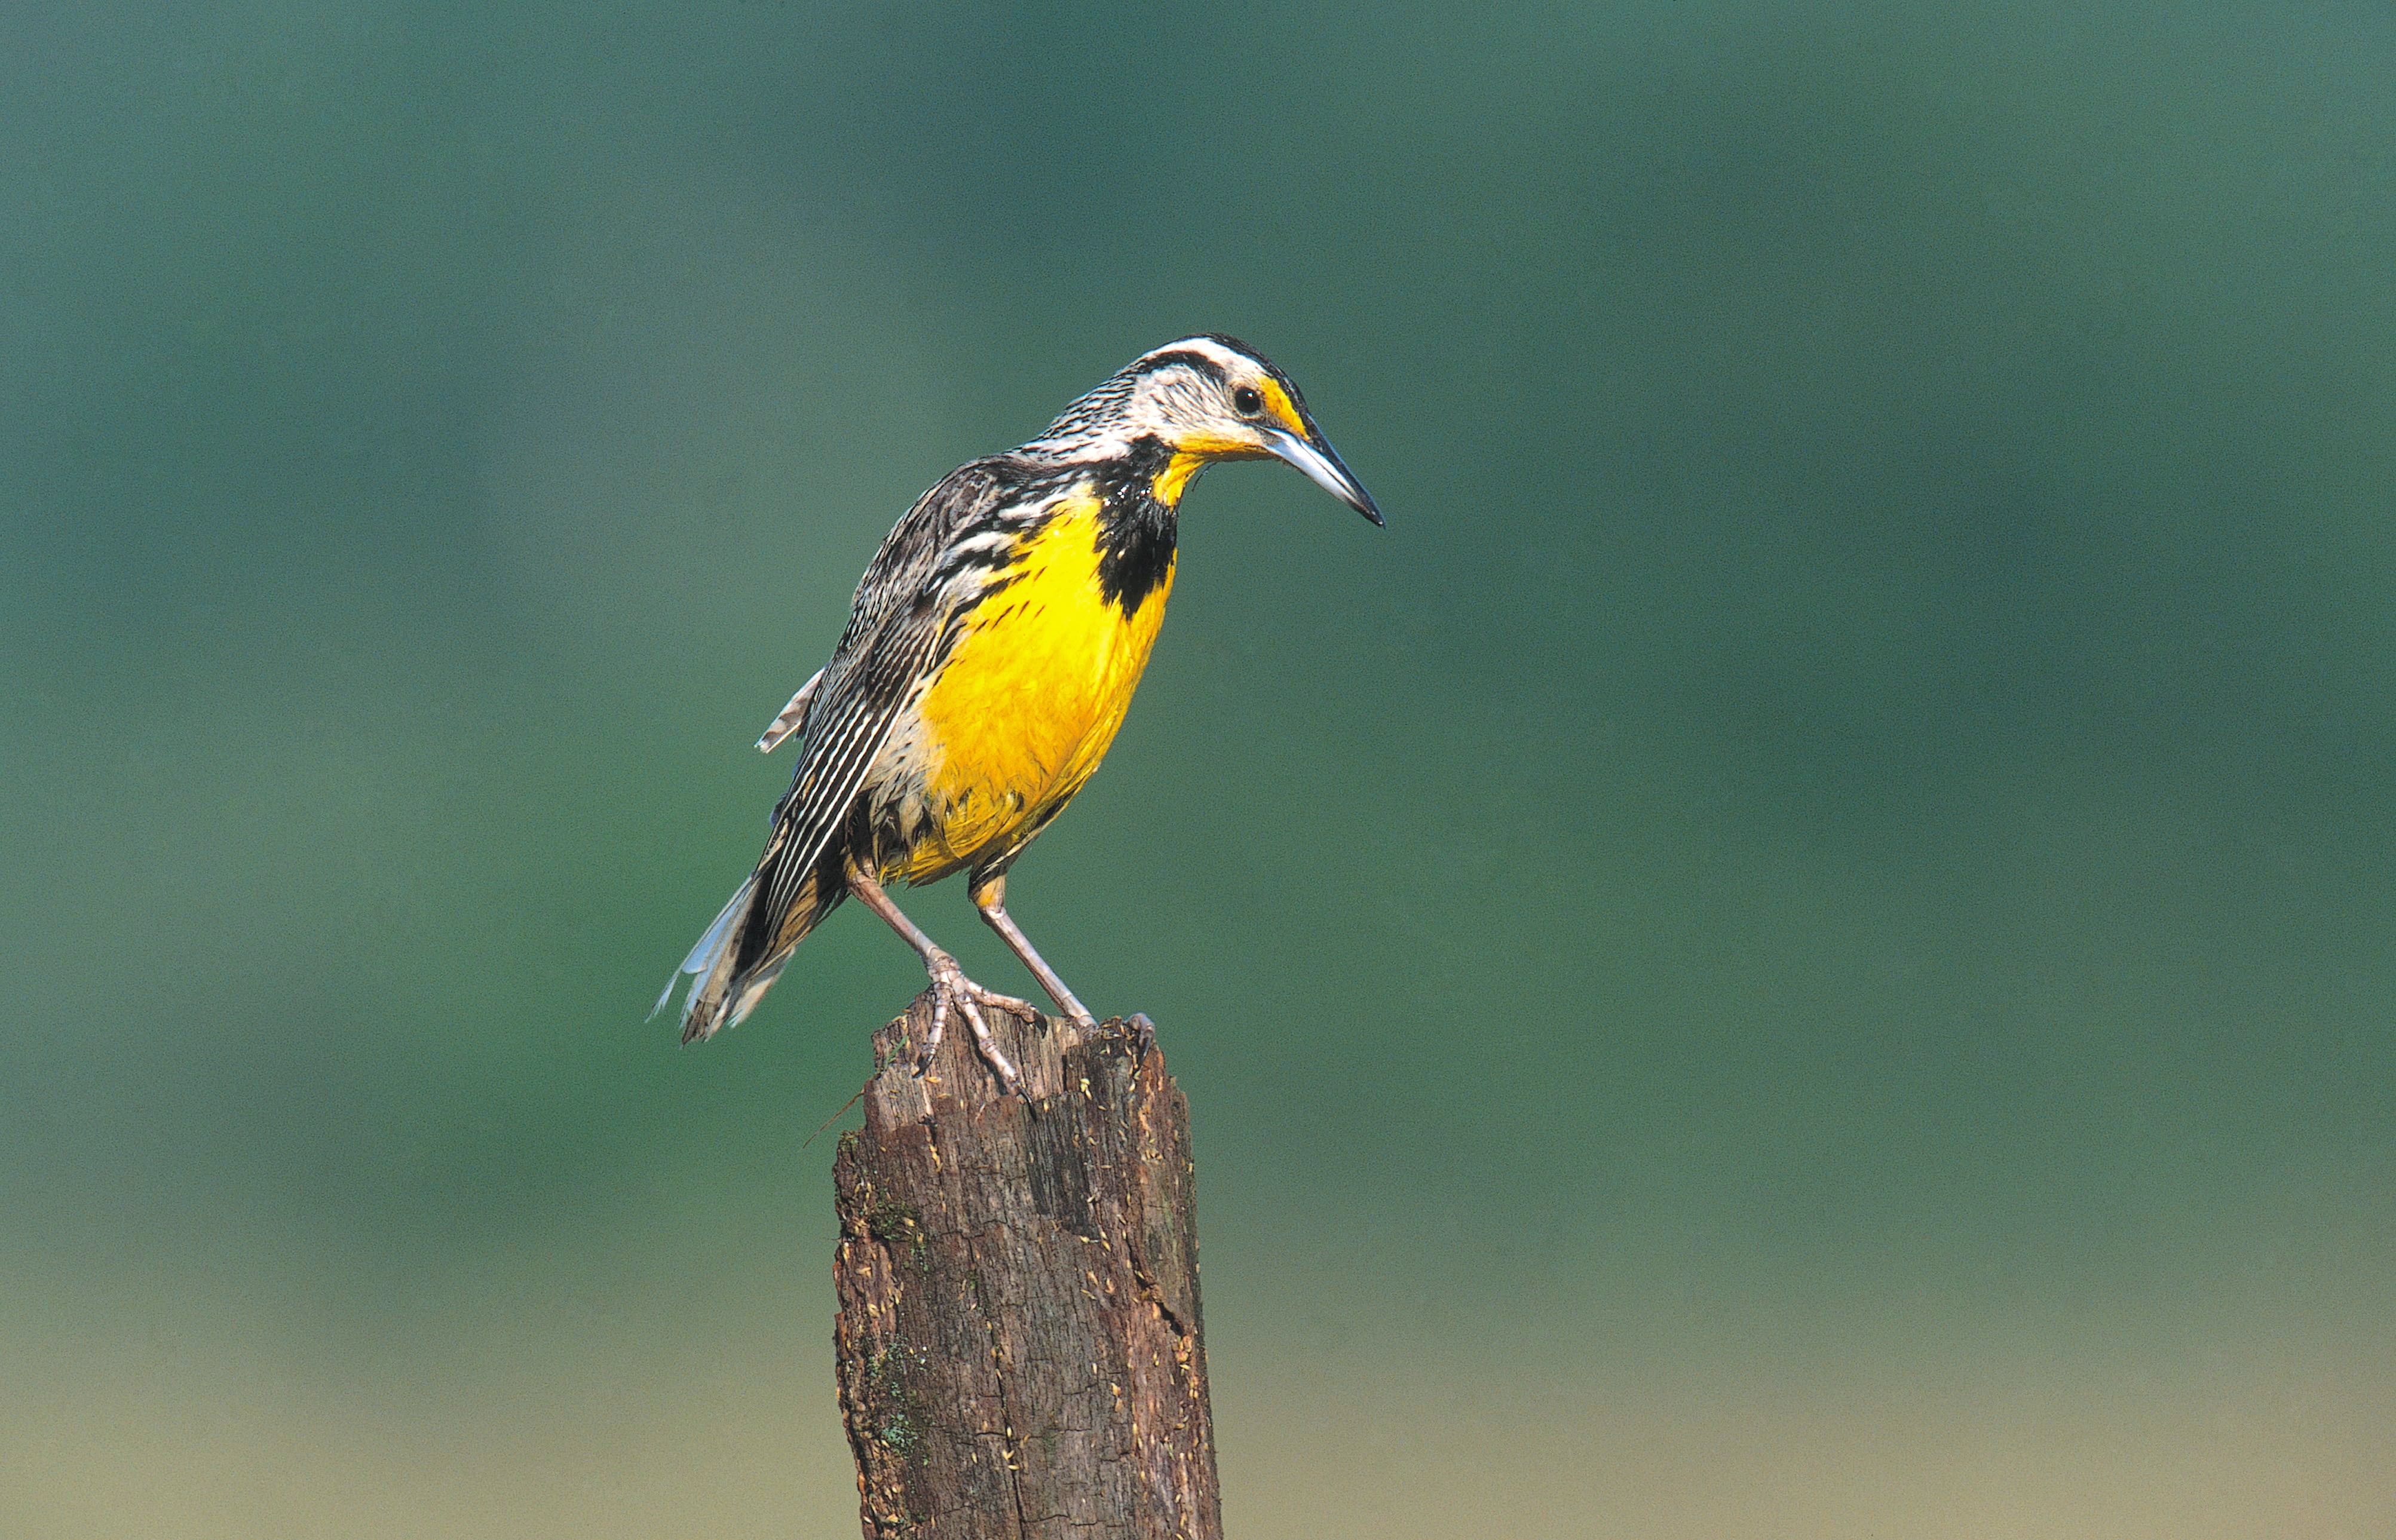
x,y
949,984
990,898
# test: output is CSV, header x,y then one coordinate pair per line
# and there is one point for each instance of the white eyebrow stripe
x,y
1205,347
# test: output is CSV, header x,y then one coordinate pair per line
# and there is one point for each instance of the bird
x,y
991,651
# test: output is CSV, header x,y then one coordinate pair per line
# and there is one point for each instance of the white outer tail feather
x,y
700,965
710,950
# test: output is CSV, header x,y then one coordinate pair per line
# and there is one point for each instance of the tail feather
x,y
723,992
711,948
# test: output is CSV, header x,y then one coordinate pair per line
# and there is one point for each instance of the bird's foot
x,y
952,987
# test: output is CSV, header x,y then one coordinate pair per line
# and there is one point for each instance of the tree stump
x,y
1020,1348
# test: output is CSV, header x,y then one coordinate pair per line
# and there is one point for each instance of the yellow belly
x,y
1029,700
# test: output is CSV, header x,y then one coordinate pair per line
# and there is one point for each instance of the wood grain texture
x,y
1020,1346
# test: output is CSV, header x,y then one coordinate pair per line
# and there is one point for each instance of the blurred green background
x,y
1805,946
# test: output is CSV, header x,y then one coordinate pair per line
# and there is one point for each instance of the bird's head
x,y
1207,399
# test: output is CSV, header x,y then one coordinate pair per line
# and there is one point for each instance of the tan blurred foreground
x,y
637,1419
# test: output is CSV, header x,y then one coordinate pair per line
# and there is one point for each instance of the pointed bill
x,y
1322,466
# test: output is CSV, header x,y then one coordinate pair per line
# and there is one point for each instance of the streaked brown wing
x,y
895,633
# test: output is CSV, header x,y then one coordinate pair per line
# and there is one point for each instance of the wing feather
x,y
792,717
897,626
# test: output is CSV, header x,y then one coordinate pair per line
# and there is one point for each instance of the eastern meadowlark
x,y
991,651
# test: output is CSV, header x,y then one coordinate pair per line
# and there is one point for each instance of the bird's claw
x,y
950,987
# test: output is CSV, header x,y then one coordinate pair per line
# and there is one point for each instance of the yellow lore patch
x,y
1284,410
1030,700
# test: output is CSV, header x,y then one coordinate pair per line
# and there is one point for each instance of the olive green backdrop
x,y
1804,946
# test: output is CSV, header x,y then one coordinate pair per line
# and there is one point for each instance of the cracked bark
x,y
1020,1350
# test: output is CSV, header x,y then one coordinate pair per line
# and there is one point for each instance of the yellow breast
x,y
1031,698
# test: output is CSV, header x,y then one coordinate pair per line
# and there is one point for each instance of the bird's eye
x,y
1248,399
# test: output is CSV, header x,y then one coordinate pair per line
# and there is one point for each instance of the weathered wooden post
x,y
1020,1353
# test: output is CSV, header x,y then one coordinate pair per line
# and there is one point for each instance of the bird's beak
x,y
1322,466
